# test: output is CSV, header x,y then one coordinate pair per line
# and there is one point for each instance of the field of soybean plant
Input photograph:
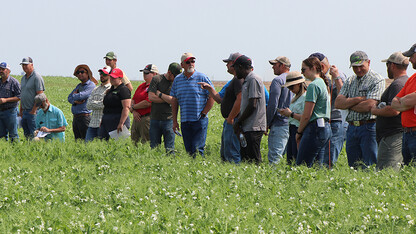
x,y
116,186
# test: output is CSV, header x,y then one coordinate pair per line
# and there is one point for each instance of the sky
x,y
59,35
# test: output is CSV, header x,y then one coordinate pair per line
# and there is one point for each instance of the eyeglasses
x,y
388,63
189,62
81,72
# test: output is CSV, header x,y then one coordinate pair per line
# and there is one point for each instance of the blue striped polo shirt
x,y
191,98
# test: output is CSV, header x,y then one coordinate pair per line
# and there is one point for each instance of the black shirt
x,y
231,92
112,100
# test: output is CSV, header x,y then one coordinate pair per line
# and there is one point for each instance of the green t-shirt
x,y
318,94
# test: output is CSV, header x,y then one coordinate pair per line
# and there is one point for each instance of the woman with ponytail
x,y
314,130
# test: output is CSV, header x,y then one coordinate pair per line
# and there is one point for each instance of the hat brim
x,y
188,59
25,63
85,66
272,62
290,83
408,53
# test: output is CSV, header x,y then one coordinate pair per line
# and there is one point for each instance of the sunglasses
x,y
189,62
81,72
291,87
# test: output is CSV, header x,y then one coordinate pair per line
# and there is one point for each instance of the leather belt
x,y
412,129
361,122
82,114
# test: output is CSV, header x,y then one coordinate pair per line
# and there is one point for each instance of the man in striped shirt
x,y
195,103
358,95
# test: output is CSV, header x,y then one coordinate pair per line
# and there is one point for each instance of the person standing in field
x,y
405,102
280,98
389,130
141,106
31,84
50,119
161,123
358,95
111,60
78,98
252,120
314,130
96,105
335,81
116,102
296,84
195,103
9,98
230,110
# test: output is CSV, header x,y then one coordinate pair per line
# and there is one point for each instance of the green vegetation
x,y
118,187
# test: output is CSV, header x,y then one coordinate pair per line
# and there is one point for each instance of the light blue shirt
x,y
81,93
53,118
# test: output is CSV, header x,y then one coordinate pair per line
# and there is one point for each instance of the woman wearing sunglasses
x,y
314,130
296,84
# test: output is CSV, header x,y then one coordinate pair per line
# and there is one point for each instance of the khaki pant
x,y
140,130
390,152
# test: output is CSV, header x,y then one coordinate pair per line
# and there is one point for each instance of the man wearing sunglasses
x,y
195,103
78,98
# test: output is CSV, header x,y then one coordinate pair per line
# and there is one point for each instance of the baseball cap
x,y
243,61
411,51
149,68
318,55
106,70
282,60
111,55
116,73
175,68
358,58
5,65
186,56
232,57
293,77
39,99
27,60
397,58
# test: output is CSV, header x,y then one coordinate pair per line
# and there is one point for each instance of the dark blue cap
x,y
318,56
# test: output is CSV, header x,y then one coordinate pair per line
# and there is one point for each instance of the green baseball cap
x,y
358,58
111,55
175,69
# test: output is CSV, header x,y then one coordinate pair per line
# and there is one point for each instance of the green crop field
x,y
116,186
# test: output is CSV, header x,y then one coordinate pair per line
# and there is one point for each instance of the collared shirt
x,y
30,85
280,98
409,116
142,95
252,88
8,89
191,97
53,118
371,86
95,103
81,93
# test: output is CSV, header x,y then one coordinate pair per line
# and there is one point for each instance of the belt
x,y
412,129
7,108
361,122
82,114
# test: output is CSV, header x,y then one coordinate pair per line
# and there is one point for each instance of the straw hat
x,y
293,78
85,66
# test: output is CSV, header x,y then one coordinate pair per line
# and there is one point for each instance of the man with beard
x,y
195,103
388,123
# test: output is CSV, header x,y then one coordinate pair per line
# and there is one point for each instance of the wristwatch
x,y
292,114
160,94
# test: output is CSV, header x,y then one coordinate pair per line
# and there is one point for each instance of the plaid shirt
x,y
10,88
95,103
371,86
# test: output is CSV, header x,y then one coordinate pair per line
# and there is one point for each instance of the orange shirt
x,y
409,116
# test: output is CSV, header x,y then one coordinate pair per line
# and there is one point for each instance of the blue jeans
x,y
292,147
335,144
194,134
91,134
28,124
278,138
312,144
230,145
159,128
361,144
409,147
8,124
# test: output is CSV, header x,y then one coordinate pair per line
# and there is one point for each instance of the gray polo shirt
x,y
253,88
30,85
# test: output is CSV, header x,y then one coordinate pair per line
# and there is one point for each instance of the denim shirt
x,y
81,93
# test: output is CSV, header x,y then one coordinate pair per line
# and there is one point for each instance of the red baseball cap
x,y
116,73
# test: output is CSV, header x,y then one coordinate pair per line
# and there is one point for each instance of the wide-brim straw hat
x,y
85,66
294,77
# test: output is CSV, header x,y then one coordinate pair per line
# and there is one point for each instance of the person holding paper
x,y
314,130
50,121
